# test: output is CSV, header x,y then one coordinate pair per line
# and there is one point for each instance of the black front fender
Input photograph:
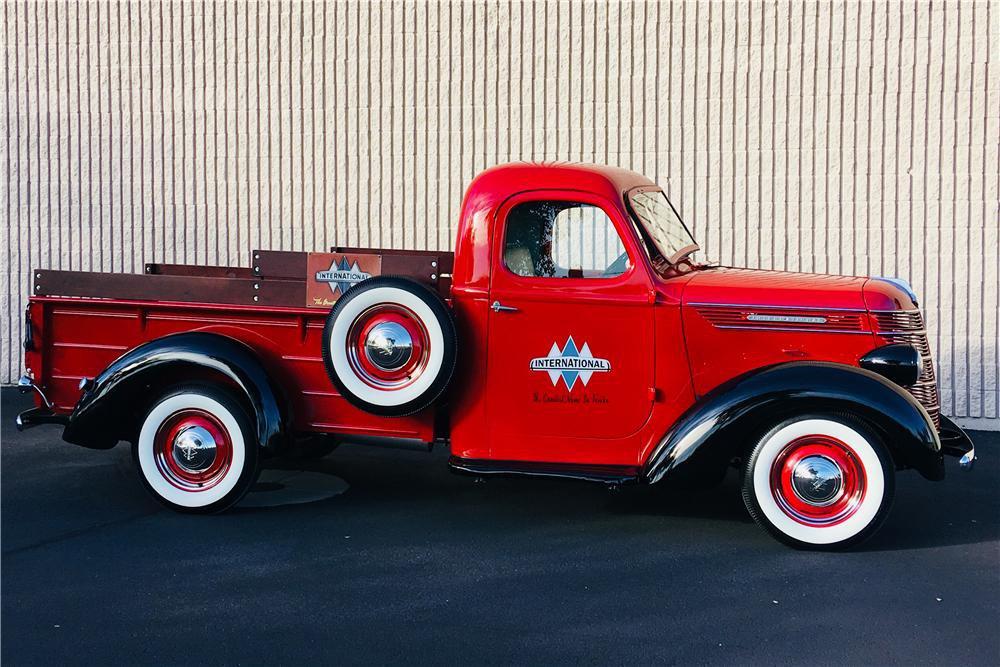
x,y
102,415
720,426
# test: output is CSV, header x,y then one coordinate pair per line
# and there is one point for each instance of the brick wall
x,y
840,137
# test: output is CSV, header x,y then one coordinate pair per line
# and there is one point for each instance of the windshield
x,y
665,235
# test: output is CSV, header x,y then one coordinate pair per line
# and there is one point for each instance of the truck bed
x,y
81,321
275,278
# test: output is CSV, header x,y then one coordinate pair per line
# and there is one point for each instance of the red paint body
x,y
668,338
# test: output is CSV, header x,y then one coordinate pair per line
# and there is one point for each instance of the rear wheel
x,y
819,482
197,450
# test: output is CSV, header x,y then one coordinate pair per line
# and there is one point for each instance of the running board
x,y
614,475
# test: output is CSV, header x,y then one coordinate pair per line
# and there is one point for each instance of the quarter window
x,y
558,239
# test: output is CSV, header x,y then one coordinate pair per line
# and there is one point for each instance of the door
x,y
571,350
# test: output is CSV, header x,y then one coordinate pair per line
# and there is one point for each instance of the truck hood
x,y
753,287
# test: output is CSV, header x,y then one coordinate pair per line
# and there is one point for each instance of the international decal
x,y
342,276
329,275
570,364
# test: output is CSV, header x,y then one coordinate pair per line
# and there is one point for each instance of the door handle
x,y
498,307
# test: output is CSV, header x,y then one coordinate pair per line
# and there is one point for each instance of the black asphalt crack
x,y
75,533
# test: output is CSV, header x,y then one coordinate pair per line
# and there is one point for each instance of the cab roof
x,y
498,183
494,186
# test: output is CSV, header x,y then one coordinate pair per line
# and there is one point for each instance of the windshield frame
x,y
648,242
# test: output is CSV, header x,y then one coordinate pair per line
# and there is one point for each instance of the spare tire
x,y
390,346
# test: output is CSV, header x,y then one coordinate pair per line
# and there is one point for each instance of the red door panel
x,y
570,358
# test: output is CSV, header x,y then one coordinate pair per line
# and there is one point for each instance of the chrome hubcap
x,y
817,480
194,449
389,346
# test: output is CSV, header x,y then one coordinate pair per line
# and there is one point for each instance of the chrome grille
x,y
900,320
907,326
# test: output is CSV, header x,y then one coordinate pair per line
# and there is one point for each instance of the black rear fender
x,y
723,424
113,404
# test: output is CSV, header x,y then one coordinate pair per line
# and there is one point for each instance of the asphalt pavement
x,y
376,555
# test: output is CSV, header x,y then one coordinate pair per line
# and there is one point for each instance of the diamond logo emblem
x,y
570,364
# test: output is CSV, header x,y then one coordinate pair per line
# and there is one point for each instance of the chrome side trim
x,y
795,329
752,306
787,319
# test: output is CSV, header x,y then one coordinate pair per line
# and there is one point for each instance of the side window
x,y
558,239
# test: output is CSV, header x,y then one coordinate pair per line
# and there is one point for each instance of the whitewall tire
x,y
819,481
197,450
390,346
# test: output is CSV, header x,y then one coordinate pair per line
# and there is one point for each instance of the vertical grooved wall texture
x,y
857,138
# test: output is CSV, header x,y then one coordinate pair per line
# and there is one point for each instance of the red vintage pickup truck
x,y
571,334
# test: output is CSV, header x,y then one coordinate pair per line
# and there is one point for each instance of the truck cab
x,y
573,333
564,305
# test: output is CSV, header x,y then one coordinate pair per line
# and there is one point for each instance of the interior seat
x,y
518,259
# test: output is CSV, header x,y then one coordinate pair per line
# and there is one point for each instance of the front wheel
x,y
197,450
819,482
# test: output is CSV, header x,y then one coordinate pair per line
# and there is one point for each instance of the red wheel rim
x,y
818,480
192,450
402,369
